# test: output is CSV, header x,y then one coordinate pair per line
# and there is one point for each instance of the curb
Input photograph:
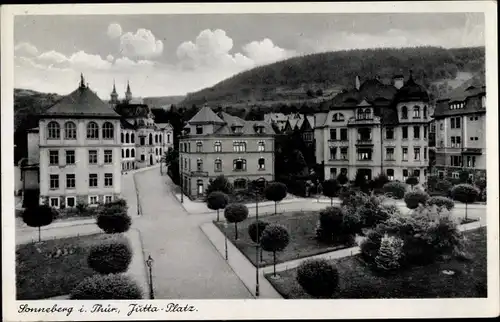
x,y
135,238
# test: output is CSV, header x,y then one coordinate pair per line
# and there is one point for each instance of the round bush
x,y
441,202
252,230
395,189
110,257
112,222
414,198
107,287
274,238
217,200
318,278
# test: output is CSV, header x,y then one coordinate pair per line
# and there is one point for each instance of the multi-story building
x,y
277,118
215,144
375,128
460,121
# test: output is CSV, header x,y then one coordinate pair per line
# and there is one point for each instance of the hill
x,y
295,79
163,101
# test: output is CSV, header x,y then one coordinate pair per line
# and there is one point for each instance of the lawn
x,y
358,282
40,275
300,225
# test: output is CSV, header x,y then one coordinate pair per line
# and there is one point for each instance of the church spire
x,y
114,94
82,81
128,93
114,87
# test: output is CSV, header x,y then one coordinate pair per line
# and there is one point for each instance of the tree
x,y
380,180
412,181
171,155
318,277
235,213
395,189
342,179
389,254
310,93
275,191
255,231
360,180
415,198
465,193
330,189
220,184
39,216
319,92
464,176
217,200
274,239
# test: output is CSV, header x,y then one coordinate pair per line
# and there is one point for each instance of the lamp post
x,y
149,263
257,190
225,238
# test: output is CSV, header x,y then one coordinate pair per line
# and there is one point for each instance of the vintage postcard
x,y
250,161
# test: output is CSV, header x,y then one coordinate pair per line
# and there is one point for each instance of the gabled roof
x,y
164,126
364,103
248,127
469,94
81,102
206,116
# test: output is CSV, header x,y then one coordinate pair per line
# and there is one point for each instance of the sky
x,y
175,54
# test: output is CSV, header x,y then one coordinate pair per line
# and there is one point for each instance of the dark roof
x,y
81,102
248,127
126,125
132,110
411,91
471,96
206,116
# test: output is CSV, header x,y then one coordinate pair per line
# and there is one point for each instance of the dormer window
x,y
259,129
238,129
364,114
404,112
199,129
338,117
416,112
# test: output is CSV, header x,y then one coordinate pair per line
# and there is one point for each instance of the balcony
x,y
371,121
364,141
199,174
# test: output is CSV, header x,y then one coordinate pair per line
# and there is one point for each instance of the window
x,y
338,117
240,184
156,138
132,138
122,137
261,146
218,146
471,161
416,132
343,134
127,153
390,174
93,200
425,153
199,147
108,156
70,131
456,160
389,154
127,138
70,181
455,122
364,154
92,156
54,181
405,132
108,199
150,139
93,180
70,202
53,157
343,153
199,165
425,132
142,140
185,163
416,173
218,165
441,126
364,134
168,138
239,146
416,154
425,111
132,153
456,141
108,179
53,131
262,164
333,153
343,171
416,112
333,173
361,114
405,174
441,174
389,133
92,130
455,175
54,202
199,129
240,165
405,154
123,153
108,131
333,134
404,112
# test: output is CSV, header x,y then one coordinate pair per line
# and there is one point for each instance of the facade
x,y
215,144
278,118
302,123
375,128
460,125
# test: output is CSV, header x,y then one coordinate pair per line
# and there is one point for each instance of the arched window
x,y
262,164
123,153
156,151
217,146
159,137
425,111
404,112
361,114
160,151
108,132
150,139
199,165
127,138
70,131
53,131
240,165
218,165
199,147
132,138
261,146
240,184
92,130
338,117
368,113
127,153
416,112
132,153
122,137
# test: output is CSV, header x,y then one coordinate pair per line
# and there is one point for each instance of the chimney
x,y
398,81
358,84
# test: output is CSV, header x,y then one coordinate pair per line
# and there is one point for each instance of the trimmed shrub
x,y
412,181
415,198
465,193
110,257
235,213
318,278
331,224
113,220
379,181
217,200
275,191
330,189
395,189
389,254
252,230
274,239
222,184
31,198
441,202
444,186
107,287
342,179
39,216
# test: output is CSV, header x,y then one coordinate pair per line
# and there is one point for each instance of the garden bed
x,y
464,221
41,275
357,281
301,227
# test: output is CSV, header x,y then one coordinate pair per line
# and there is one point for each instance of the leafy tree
x,y
275,191
465,193
389,254
220,184
380,180
235,213
217,200
444,186
412,181
440,201
274,239
113,218
107,287
318,277
395,189
360,180
415,198
330,189
39,216
255,231
171,156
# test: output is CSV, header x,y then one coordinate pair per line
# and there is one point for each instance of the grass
x,y
357,281
40,276
300,225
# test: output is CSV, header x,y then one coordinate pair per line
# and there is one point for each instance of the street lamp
x,y
149,263
225,239
256,191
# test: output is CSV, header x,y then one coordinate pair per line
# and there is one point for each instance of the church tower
x,y
128,93
114,95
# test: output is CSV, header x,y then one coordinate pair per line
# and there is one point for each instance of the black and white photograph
x,y
248,155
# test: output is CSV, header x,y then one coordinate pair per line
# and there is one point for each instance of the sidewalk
x,y
137,269
56,233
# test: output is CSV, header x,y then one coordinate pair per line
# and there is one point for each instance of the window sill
x,y
261,169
